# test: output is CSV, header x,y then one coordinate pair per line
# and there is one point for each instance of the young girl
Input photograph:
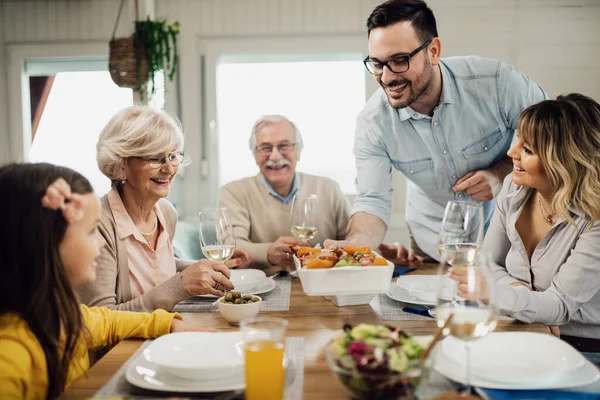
x,y
48,243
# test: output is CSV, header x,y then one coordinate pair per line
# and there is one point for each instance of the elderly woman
x,y
545,233
141,150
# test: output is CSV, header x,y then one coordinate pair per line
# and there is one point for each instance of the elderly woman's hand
x,y
206,277
240,259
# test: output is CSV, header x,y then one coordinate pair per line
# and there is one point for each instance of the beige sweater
x,y
259,219
112,288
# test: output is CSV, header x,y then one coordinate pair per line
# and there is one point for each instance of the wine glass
x,y
465,311
305,218
462,229
216,235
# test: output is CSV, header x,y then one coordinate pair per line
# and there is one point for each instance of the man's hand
x,y
180,326
240,259
481,185
399,255
280,254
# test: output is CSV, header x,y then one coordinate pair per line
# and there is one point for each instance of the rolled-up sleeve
x,y
575,284
373,174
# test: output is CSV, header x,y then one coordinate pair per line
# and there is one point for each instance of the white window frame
x,y
19,116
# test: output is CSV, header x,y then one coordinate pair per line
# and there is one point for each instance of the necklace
x,y
547,218
153,229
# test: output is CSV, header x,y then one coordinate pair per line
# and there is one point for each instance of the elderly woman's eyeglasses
x,y
397,64
267,149
175,159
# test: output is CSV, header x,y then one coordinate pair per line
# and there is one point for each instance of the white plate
x,y
265,286
147,375
516,357
425,287
198,355
245,280
397,293
502,369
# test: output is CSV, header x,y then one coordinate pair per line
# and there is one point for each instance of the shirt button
x,y
415,115
434,123
453,176
444,152
485,148
412,171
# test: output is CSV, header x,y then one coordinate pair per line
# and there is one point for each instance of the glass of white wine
x,y
465,311
216,235
462,229
305,217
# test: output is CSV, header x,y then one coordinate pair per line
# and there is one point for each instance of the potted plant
x,y
135,60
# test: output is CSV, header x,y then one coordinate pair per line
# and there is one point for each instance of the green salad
x,y
375,349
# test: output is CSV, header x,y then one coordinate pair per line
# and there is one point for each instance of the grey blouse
x,y
564,271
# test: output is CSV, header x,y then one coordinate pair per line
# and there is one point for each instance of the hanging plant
x,y
157,43
136,60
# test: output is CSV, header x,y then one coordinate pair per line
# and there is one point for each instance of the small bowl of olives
x,y
235,306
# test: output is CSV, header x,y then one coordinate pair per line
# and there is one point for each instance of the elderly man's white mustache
x,y
277,164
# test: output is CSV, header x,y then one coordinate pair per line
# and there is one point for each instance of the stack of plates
x,y
190,362
249,281
516,360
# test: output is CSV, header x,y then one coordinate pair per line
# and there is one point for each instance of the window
x,y
321,96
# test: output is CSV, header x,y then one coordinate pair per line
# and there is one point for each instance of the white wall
x,y
554,41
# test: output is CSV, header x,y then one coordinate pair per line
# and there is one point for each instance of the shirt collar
x,y
273,193
125,225
447,96
522,194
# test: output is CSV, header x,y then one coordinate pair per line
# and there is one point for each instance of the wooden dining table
x,y
314,318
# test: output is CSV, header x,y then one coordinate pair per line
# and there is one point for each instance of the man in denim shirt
x,y
446,124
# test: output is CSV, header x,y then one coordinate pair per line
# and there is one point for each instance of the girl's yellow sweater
x,y
23,373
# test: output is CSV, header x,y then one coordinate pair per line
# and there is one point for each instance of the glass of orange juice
x,y
264,345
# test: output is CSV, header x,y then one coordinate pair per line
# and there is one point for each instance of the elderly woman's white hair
x,y
136,131
274,119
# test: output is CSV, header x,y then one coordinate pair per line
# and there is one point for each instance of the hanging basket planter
x,y
123,64
135,60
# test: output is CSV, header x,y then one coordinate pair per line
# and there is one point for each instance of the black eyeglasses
x,y
397,64
175,159
266,149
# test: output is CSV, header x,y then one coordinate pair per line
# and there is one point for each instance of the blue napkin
x,y
419,310
502,394
401,270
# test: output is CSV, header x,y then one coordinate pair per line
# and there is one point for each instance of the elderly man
x,y
445,123
259,206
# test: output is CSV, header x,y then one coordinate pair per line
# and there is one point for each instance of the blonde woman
x,y
141,150
545,233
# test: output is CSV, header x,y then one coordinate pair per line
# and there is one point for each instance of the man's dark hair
x,y
415,11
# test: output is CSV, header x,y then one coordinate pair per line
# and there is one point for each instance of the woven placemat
x,y
391,310
118,386
276,300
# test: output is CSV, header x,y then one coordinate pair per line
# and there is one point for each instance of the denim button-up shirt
x,y
471,129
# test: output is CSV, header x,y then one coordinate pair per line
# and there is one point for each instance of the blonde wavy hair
x,y
136,131
565,134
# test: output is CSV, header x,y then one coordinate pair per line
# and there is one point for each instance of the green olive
x,y
247,297
236,295
229,296
237,301
255,299
244,301
230,302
